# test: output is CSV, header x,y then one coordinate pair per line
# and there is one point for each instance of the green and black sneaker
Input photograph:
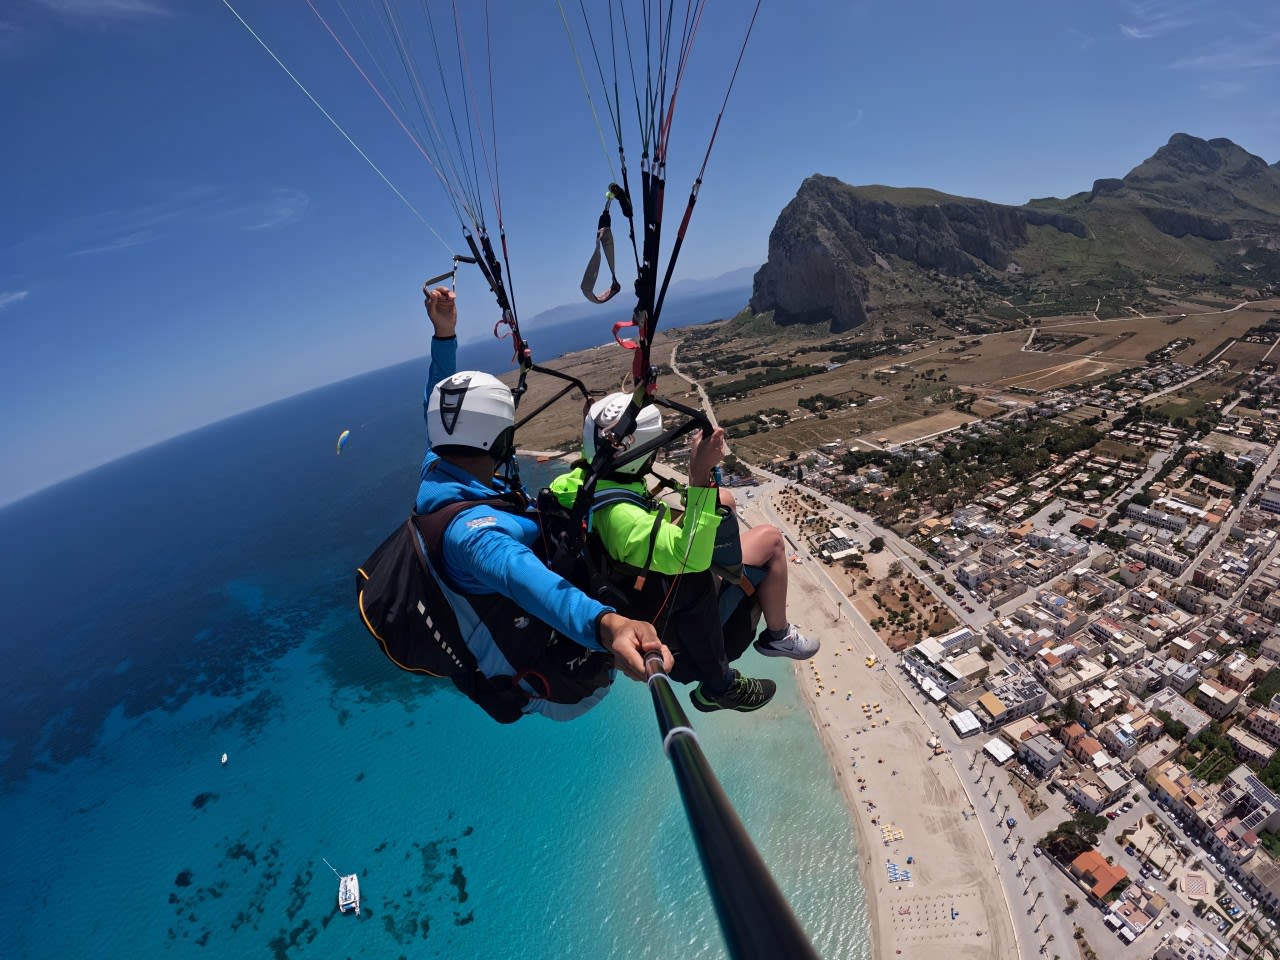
x,y
744,695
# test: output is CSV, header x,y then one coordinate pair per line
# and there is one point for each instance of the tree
x,y
1174,728
876,544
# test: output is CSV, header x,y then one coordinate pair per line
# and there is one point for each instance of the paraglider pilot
x,y
470,417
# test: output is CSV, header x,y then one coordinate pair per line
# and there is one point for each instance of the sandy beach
x,y
928,871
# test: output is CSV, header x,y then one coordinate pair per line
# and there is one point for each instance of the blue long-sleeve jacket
x,y
487,551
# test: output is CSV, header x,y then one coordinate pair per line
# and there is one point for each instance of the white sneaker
x,y
793,644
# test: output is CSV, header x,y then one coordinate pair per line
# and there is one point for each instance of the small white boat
x,y
224,759
349,894
348,891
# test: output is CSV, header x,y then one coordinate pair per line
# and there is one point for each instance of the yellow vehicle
x,y
871,661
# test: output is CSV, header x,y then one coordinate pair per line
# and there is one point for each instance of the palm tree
x,y
1146,853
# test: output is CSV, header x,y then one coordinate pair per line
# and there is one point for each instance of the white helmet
x,y
607,412
472,410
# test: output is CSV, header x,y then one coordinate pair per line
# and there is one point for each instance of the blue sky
x,y
184,236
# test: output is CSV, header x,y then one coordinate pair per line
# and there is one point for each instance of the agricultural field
x,y
1243,356
902,395
1191,400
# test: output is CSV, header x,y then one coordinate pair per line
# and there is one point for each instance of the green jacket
x,y
625,529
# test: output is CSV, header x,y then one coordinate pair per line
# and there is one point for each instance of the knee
x,y
763,546
727,499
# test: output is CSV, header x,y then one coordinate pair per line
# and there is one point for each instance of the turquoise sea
x,y
197,598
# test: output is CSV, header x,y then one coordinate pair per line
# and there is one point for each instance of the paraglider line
x,y
337,126
378,93
586,88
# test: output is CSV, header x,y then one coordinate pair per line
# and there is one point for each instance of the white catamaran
x,y
348,890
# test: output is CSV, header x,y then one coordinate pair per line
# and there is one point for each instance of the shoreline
x,y
911,814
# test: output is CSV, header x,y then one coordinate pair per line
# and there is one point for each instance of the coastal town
x,y
1091,633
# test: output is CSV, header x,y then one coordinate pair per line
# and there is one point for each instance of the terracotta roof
x,y
1093,869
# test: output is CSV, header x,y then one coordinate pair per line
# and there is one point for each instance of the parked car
x,y
1010,822
1111,814
1036,851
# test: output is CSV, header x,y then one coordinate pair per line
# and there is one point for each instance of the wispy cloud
x,y
282,207
116,244
1149,19
1255,53
9,297
110,231
186,210
1225,89
107,9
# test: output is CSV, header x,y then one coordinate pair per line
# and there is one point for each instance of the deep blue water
x,y
197,597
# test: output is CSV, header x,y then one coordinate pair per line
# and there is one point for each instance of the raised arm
x,y
442,311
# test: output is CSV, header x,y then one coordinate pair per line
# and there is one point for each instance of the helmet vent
x,y
451,395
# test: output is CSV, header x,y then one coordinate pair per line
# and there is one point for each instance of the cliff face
x,y
830,236
833,242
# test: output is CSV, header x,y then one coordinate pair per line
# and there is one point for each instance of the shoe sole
x,y
775,652
711,707
716,708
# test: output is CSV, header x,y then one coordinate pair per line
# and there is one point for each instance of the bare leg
x,y
763,546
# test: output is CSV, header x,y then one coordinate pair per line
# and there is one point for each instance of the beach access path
x,y
913,815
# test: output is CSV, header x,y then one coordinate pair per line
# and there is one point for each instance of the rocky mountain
x,y
1196,212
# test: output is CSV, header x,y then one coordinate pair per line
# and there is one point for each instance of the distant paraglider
x,y
343,437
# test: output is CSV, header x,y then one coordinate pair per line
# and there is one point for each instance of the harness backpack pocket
x,y
403,608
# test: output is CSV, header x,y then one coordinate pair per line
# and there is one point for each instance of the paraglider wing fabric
x,y
343,437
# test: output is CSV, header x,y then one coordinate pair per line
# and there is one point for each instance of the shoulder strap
x,y
433,525
613,495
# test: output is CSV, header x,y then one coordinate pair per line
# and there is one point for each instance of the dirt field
x,y
1243,356
1132,338
924,427
1075,371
